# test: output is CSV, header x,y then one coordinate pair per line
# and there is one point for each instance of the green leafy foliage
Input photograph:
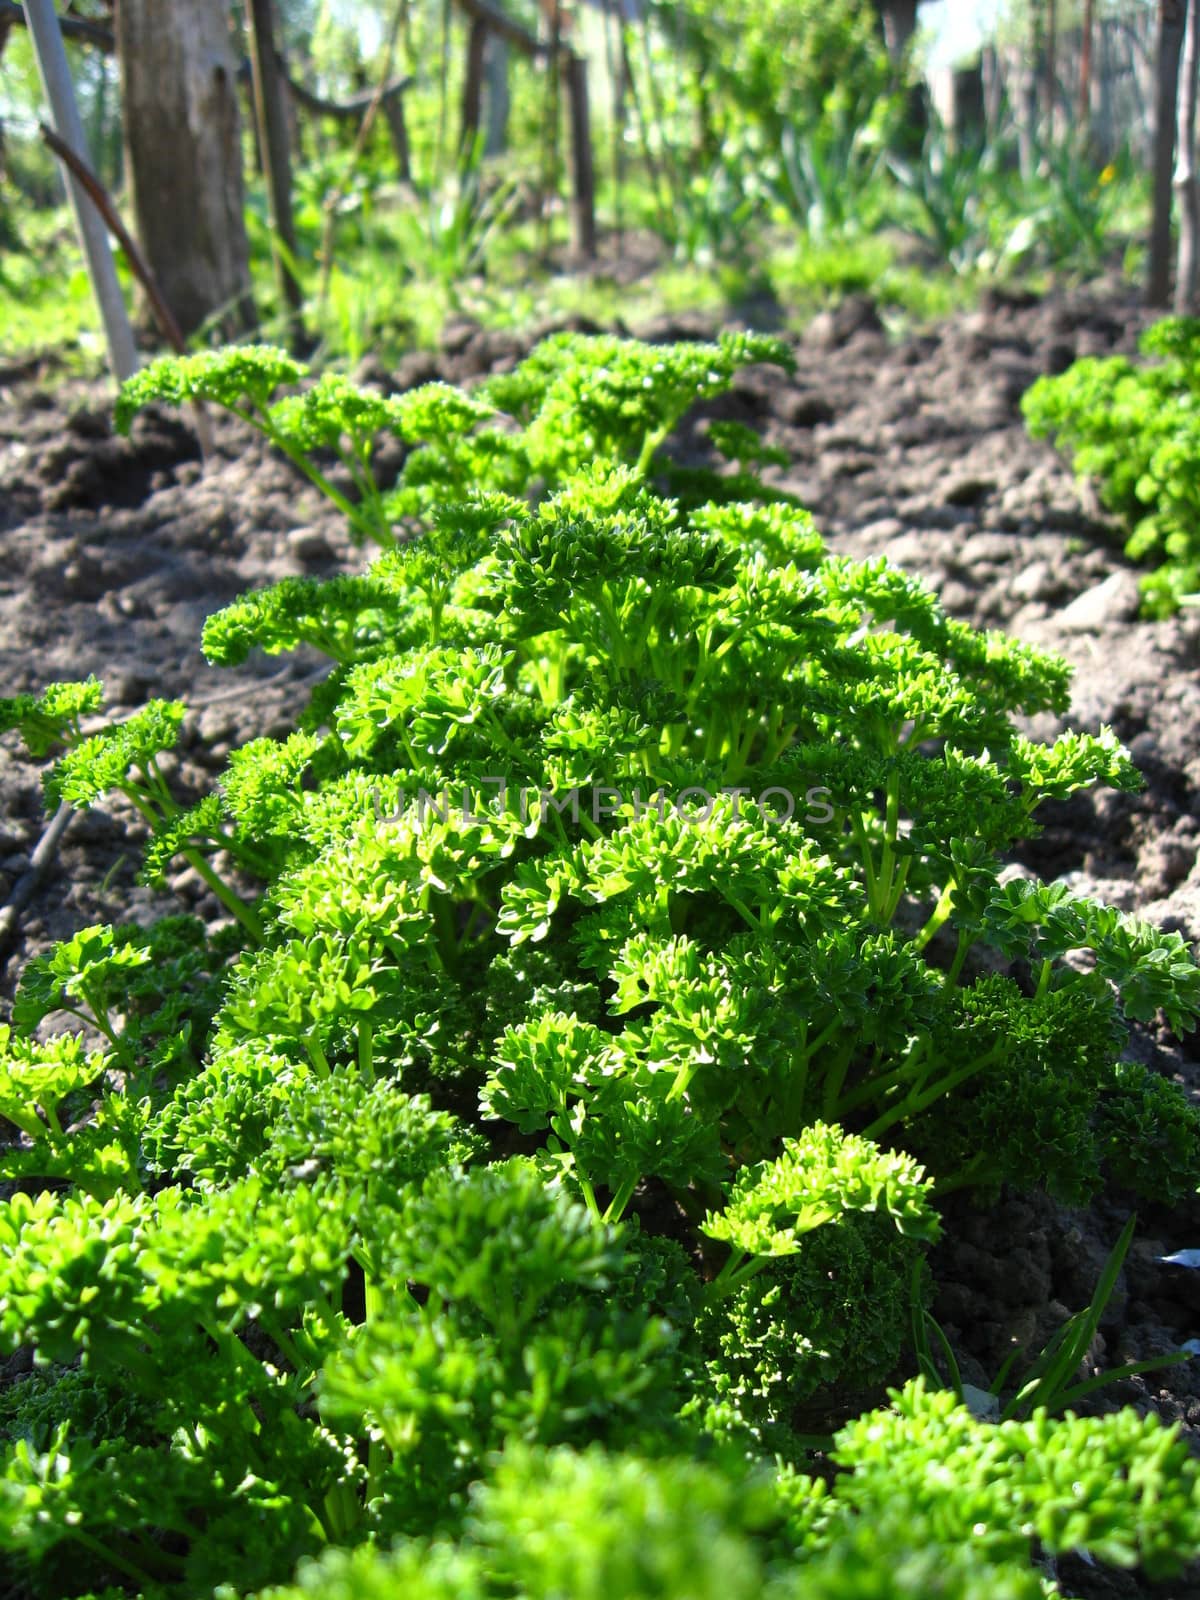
x,y
831,1315
557,1124
1004,1483
1132,428
37,1076
53,716
599,1525
574,403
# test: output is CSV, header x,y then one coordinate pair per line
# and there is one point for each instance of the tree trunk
x,y
1085,66
183,156
1185,170
1170,45
1051,66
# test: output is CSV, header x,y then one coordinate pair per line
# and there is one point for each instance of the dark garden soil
x,y
113,551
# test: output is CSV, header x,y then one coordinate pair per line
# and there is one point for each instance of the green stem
x,y
836,1082
859,834
589,1196
99,1016
897,894
447,937
914,1103
318,479
617,642
748,916
649,445
160,789
739,1269
916,1066
339,1513
285,1344
971,1172
317,1056
616,1207
113,1558
140,801
832,1027
366,1040
234,904
965,943
938,917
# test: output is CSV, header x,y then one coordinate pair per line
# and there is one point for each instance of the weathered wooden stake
x,y
583,176
1187,187
1170,46
472,97
1085,65
270,108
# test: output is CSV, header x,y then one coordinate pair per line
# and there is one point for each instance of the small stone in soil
x,y
1116,599
309,545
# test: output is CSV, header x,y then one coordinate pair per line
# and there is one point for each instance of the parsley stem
x,y
589,1196
919,1100
106,1553
938,917
243,913
616,1206
736,1271
965,943
352,513
317,1056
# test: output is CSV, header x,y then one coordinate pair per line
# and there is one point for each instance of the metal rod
x,y
93,236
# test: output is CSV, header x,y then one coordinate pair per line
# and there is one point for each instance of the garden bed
x,y
910,447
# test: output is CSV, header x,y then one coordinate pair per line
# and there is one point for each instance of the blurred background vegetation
x,y
765,156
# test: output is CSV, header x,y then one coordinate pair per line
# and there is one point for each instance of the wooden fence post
x,y
1187,187
270,108
1170,46
583,175
472,98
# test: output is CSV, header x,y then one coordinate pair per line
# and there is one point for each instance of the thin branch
x,y
355,106
72,27
27,885
139,266
483,11
99,197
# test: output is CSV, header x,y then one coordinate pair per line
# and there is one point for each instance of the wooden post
x,y
550,182
498,100
1186,184
615,63
392,107
1027,116
1170,46
472,98
583,176
270,106
60,93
